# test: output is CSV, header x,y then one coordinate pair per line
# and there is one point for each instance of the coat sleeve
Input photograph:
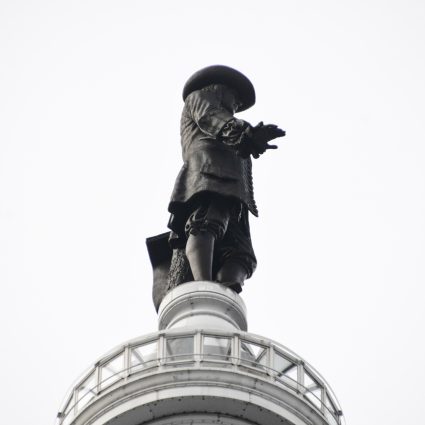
x,y
207,111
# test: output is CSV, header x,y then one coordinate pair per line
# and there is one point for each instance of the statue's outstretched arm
x,y
218,122
248,140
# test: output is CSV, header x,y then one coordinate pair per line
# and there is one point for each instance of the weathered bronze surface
x,y
213,193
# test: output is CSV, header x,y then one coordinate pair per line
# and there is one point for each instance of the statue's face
x,y
231,100
237,104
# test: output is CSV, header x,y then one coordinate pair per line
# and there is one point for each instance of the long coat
x,y
209,164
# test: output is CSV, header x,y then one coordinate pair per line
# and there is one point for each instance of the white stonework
x,y
201,367
200,305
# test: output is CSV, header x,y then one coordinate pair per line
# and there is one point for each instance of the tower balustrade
x,y
189,371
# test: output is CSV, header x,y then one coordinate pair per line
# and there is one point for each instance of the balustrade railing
x,y
243,352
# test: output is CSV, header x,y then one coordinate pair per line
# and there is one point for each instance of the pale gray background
x,y
89,150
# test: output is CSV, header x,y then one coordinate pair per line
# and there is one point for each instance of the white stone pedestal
x,y
202,305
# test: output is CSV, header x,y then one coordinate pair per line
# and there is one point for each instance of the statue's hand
x,y
261,135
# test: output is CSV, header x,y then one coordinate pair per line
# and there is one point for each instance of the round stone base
x,y
202,305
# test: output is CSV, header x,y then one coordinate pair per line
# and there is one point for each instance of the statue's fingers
x,y
271,146
277,133
272,137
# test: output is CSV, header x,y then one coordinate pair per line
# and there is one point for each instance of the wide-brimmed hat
x,y
221,74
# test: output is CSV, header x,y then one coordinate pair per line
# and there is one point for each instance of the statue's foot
x,y
232,274
236,286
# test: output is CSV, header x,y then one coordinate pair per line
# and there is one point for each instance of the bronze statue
x,y
213,193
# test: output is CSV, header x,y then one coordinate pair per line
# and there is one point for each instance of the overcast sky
x,y
90,102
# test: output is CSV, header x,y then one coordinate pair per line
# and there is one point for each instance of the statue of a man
x,y
213,193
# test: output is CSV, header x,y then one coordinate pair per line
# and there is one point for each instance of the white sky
x,y
90,102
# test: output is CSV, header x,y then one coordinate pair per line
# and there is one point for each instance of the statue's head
x,y
229,77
